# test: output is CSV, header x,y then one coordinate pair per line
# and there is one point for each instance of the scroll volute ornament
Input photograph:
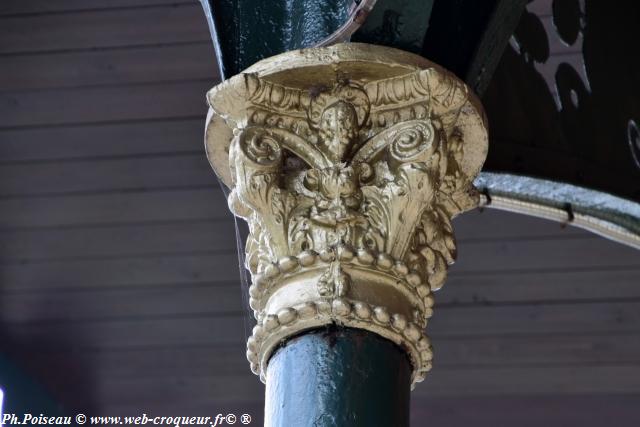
x,y
348,163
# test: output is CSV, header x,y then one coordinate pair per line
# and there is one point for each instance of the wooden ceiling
x,y
119,278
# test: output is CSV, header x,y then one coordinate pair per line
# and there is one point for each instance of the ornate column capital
x,y
348,163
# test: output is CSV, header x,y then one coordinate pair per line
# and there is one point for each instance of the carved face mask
x,y
338,128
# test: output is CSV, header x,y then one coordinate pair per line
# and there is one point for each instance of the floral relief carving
x,y
348,187
361,185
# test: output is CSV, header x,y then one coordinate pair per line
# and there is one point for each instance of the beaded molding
x,y
275,328
288,266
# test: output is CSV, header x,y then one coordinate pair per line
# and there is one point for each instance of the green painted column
x,y
338,377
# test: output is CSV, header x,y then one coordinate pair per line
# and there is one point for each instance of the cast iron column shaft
x,y
338,377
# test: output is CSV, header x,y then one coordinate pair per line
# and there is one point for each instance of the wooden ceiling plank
x,y
103,29
532,254
222,298
91,142
19,7
182,237
123,271
542,286
98,210
86,176
98,105
145,64
499,225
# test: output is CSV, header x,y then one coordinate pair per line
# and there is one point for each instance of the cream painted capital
x,y
348,163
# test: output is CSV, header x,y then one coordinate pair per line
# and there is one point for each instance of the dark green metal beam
x,y
397,23
245,31
465,37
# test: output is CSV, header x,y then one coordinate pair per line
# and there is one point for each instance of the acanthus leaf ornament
x,y
348,163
